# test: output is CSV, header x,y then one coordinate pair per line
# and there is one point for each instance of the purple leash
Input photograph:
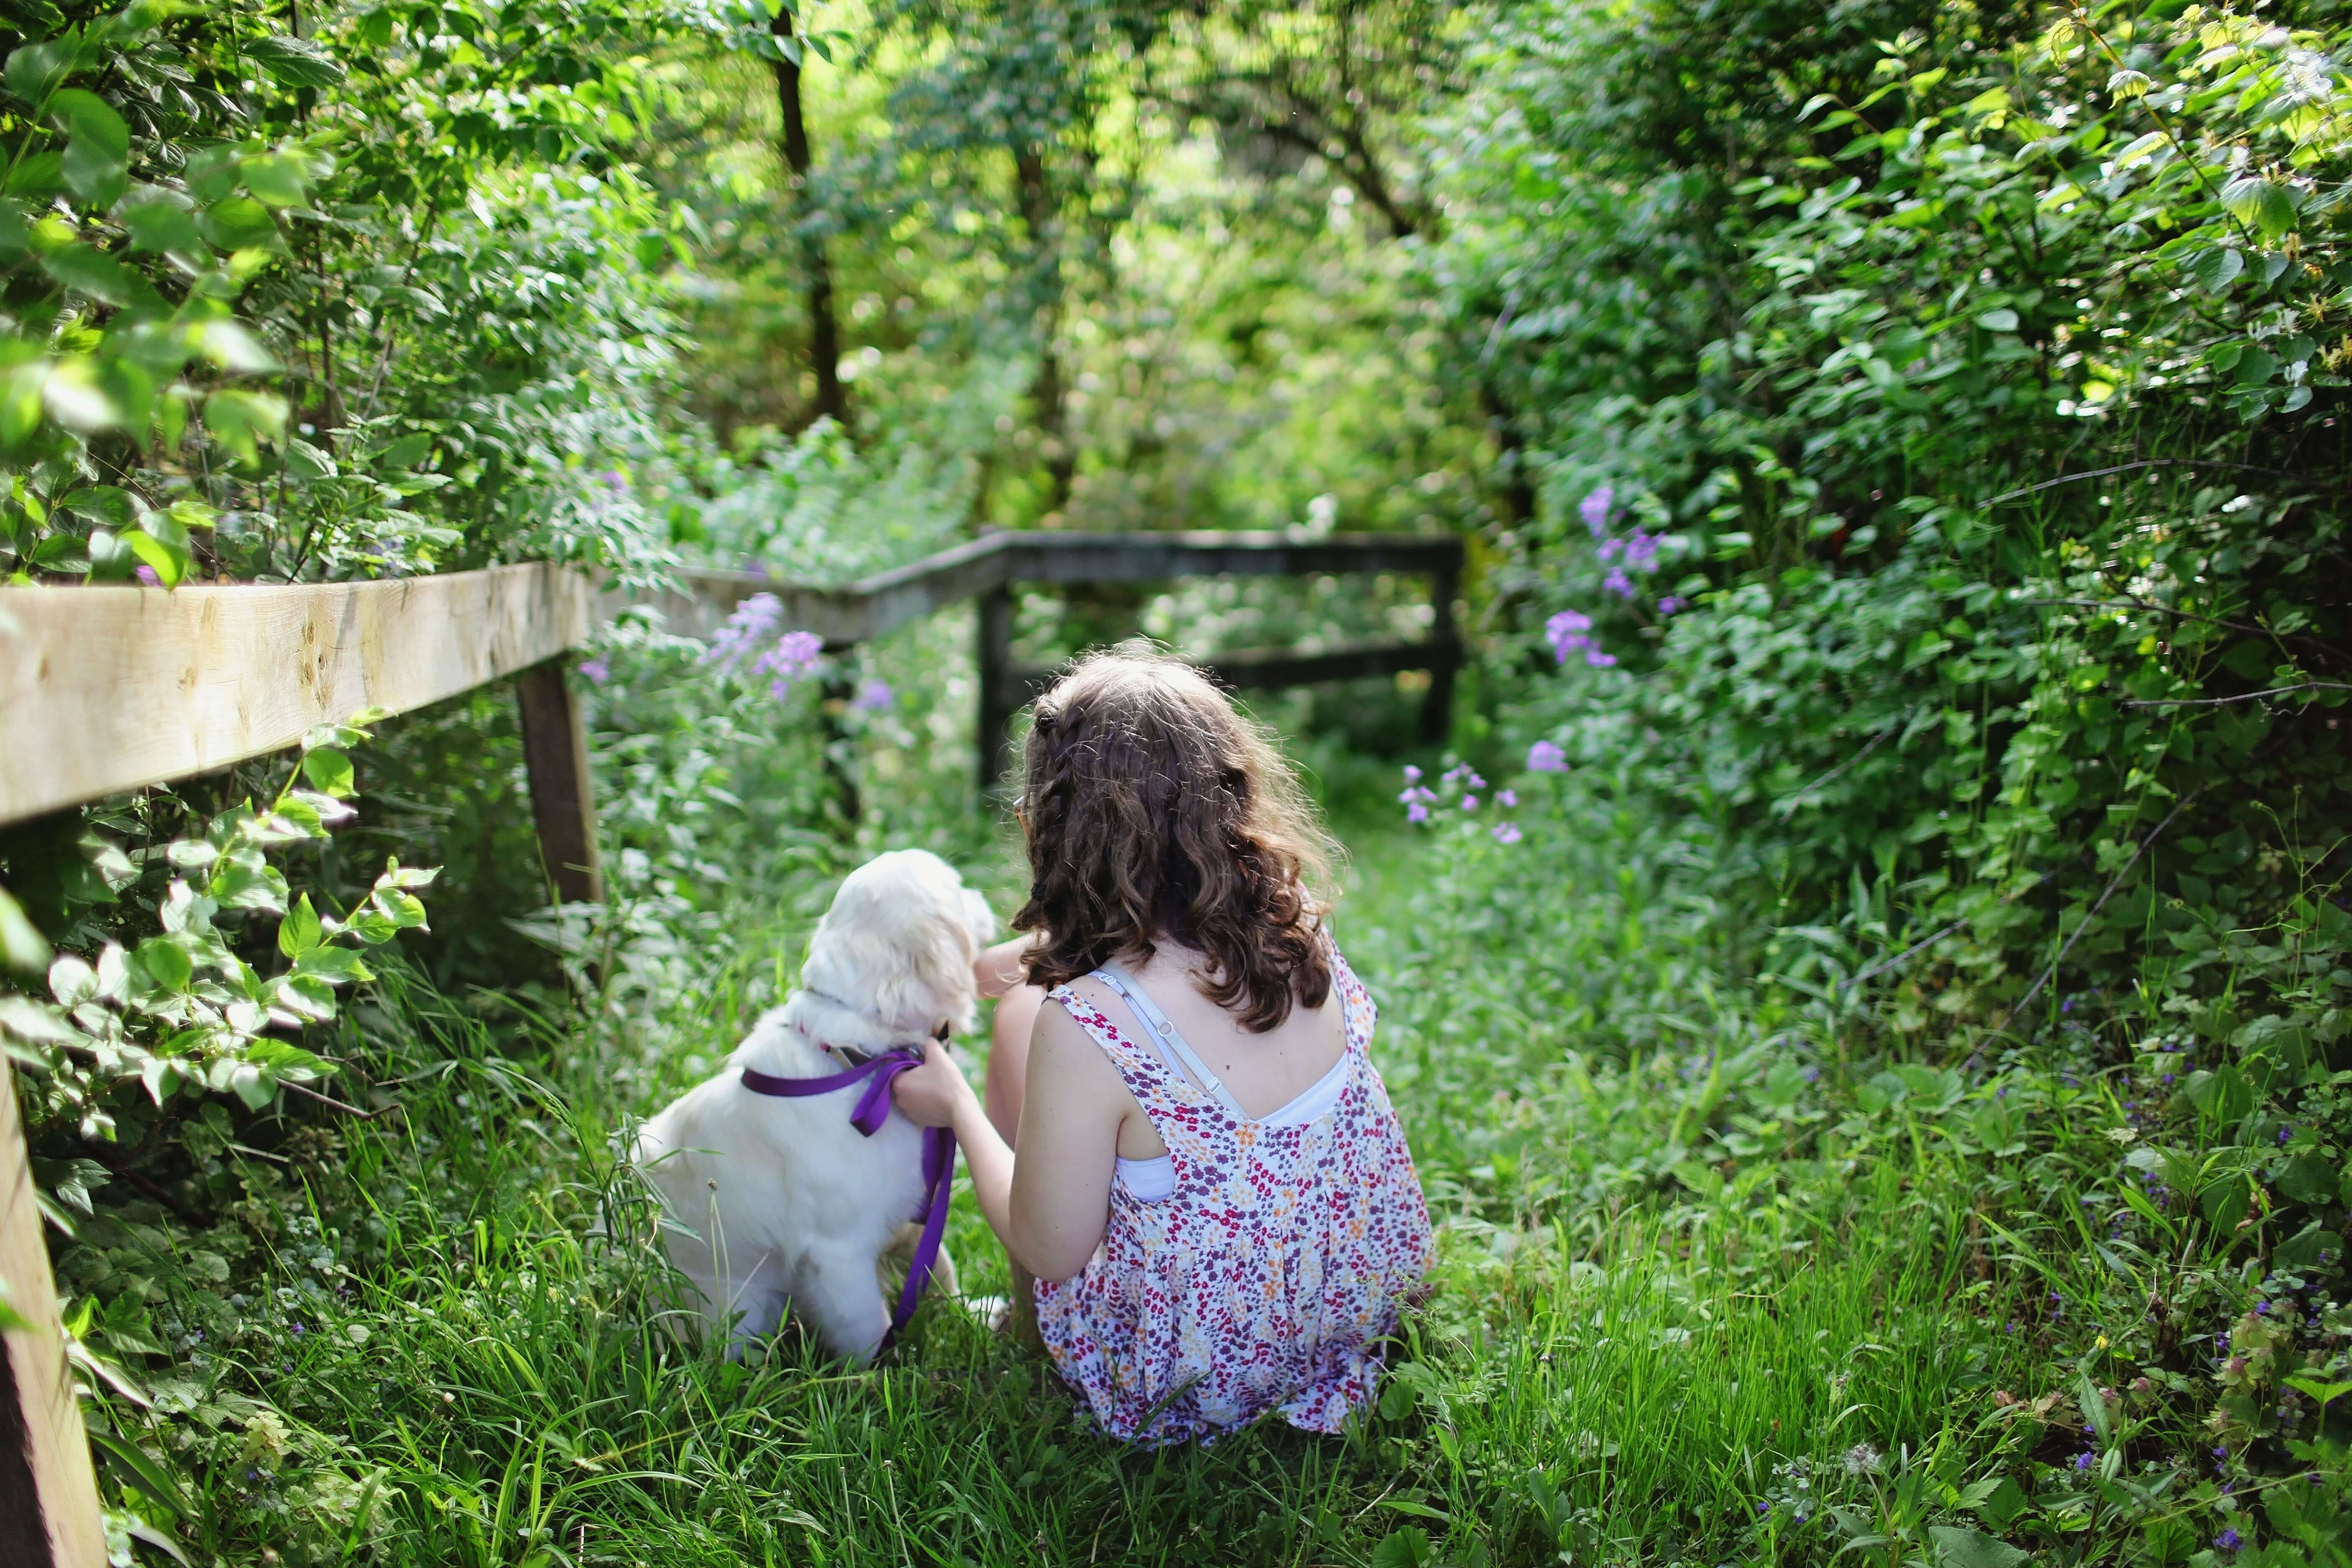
x,y
872,1108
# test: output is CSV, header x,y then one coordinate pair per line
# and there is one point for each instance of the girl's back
x,y
1254,1260
1206,1179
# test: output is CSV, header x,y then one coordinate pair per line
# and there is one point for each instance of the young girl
x,y
1210,1189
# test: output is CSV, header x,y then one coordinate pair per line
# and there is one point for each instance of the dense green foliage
x,y
1873,1049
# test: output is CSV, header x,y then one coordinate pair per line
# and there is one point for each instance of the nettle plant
x,y
183,1013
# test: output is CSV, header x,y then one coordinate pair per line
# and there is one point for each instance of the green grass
x,y
1690,1261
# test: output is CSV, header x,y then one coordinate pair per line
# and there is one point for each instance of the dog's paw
x,y
991,1312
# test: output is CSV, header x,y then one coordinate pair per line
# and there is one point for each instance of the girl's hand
x,y
936,1093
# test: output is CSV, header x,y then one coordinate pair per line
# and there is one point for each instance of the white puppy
x,y
779,1205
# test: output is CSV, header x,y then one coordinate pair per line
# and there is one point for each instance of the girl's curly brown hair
x,y
1155,812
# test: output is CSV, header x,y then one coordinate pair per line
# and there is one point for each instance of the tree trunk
x,y
1046,392
824,332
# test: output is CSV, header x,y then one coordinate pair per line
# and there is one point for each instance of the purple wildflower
x,y
1641,551
147,575
1673,604
1544,757
1617,583
2085,1459
1416,812
1509,798
795,655
2229,1540
1508,833
598,670
1566,632
1599,661
1469,803
874,696
1595,508
612,479
1412,773
755,620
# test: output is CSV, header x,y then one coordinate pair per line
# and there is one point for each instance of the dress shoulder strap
x,y
1162,1033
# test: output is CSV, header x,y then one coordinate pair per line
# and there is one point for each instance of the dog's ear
x,y
978,918
930,975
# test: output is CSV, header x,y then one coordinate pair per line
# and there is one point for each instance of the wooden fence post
x,y
48,1494
1437,707
998,697
562,801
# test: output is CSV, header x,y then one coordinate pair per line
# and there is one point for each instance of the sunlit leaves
x,y
180,1007
2264,205
98,151
296,62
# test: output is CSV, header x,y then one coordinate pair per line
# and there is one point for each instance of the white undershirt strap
x,y
1172,1045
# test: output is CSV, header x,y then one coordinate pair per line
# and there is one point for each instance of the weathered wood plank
x,y
840,615
562,801
109,688
1043,557
1261,668
876,606
48,1494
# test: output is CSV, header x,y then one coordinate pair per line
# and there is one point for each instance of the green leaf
x,y
33,71
22,946
98,152
237,419
2002,321
239,223
299,932
2326,1393
145,1474
2264,205
279,179
89,270
2217,268
162,223
168,564
1960,1547
296,62
328,771
37,174
231,347
335,966
406,911
166,961
1406,1548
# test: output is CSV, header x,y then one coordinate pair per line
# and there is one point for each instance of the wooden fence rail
x,y
987,568
105,690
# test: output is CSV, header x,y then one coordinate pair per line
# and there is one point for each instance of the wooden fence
x,y
106,690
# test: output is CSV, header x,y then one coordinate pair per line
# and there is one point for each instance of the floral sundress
x,y
1266,1278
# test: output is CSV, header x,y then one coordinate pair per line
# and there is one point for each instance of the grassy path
x,y
1634,1343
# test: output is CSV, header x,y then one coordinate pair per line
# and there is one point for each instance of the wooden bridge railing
x,y
987,569
105,690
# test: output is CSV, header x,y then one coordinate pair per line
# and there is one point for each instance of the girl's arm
x,y
1050,1206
